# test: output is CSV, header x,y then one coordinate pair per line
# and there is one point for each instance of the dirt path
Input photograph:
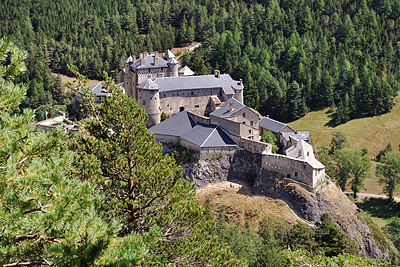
x,y
179,51
396,199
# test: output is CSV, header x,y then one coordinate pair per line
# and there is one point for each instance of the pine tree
x,y
47,216
143,188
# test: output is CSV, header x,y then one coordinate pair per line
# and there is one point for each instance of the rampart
x,y
296,169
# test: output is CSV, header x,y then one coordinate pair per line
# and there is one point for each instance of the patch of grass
x,y
372,133
240,207
380,208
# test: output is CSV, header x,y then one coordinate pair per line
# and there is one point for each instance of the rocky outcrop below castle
x,y
307,204
242,165
311,205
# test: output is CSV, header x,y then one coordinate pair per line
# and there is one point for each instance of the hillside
x,y
372,133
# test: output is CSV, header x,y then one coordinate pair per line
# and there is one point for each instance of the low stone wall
x,y
200,119
255,146
209,153
295,169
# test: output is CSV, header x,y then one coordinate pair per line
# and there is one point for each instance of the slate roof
x,y
173,61
149,63
97,89
225,109
186,71
272,125
176,125
304,151
203,136
297,136
129,60
198,82
168,54
148,84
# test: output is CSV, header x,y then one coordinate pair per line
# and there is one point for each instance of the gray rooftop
x,y
148,84
186,71
203,136
272,125
175,126
168,54
225,110
304,151
129,60
297,136
97,88
199,82
149,63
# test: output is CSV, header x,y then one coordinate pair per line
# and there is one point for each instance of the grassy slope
x,y
373,133
239,206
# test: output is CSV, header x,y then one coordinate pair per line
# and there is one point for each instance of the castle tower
x,y
128,77
239,92
149,98
168,55
173,67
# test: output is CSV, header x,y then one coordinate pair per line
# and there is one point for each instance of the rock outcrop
x,y
243,165
311,205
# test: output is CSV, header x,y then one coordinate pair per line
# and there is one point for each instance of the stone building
x,y
161,85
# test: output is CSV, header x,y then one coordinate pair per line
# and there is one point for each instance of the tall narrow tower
x,y
128,77
173,67
149,98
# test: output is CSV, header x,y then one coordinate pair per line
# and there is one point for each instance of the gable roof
x,y
203,136
177,125
198,82
168,54
225,109
149,63
148,84
186,71
272,125
297,136
97,88
304,151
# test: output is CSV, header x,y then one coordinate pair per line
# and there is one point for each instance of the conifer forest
x,y
107,195
293,56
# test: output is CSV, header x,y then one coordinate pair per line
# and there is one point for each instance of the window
x,y
144,102
249,131
244,122
191,93
251,123
196,106
295,174
244,114
164,95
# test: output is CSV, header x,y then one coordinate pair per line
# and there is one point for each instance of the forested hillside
x,y
292,55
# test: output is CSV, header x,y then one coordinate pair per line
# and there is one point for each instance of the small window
x,y
244,122
164,95
196,106
244,114
295,174
191,93
251,123
144,102
249,131
308,153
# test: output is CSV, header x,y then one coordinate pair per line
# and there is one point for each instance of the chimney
x,y
156,54
297,131
240,82
134,58
141,56
217,73
231,106
145,54
142,62
268,116
155,61
226,102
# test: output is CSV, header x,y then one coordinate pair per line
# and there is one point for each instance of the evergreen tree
x,y
143,188
48,217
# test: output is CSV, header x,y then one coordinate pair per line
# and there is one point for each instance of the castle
x,y
162,86
206,115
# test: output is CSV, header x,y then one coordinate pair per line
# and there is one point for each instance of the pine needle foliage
x,y
47,216
143,188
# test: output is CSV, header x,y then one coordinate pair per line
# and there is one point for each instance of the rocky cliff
x,y
243,165
307,205
311,205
